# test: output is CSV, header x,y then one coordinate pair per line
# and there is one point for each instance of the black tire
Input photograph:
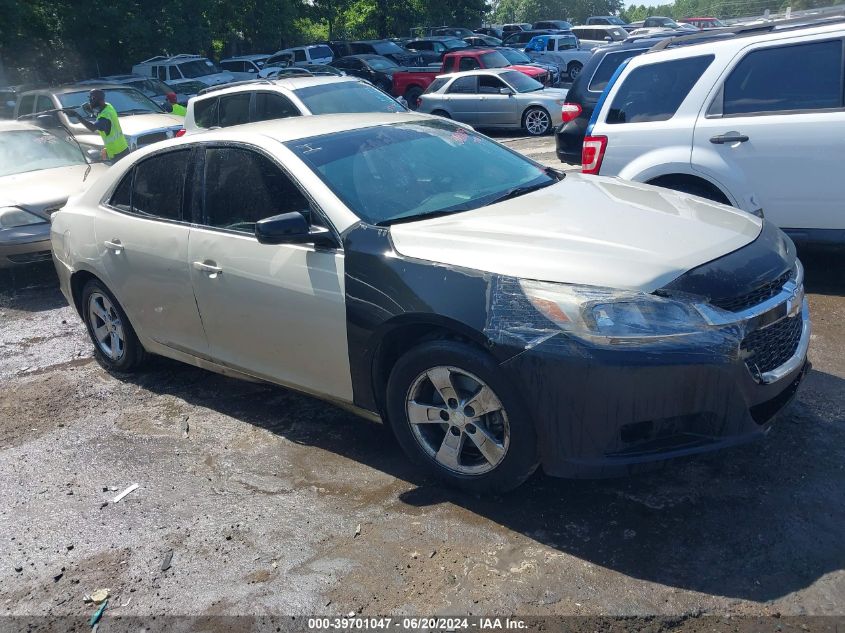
x,y
520,457
411,95
132,354
536,111
574,69
442,113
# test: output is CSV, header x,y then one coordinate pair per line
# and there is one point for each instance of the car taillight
x,y
592,154
570,112
181,132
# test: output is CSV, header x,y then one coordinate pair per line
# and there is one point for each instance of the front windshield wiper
x,y
521,191
425,216
138,111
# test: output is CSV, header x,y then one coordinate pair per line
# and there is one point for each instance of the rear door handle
x,y
728,137
208,267
114,245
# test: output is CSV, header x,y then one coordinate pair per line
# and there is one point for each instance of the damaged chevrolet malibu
x,y
499,315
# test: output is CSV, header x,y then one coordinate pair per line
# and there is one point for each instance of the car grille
x,y
755,297
148,139
770,347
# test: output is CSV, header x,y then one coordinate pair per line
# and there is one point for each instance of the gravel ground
x,y
275,503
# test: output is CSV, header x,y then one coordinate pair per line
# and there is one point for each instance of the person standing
x,y
172,106
107,124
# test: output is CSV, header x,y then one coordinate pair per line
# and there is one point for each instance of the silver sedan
x,y
495,98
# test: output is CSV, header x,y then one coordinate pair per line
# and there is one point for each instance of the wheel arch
x,y
404,332
77,282
668,180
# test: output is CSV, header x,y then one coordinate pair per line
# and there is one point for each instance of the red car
x,y
410,84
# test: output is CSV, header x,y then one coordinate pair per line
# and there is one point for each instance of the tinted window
x,y
26,105
235,67
468,63
205,112
160,72
269,105
159,185
319,52
656,91
43,103
815,79
234,109
463,85
299,55
436,85
608,66
242,187
121,197
489,85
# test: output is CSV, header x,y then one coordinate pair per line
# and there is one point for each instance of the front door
x,y
494,107
142,240
782,141
274,311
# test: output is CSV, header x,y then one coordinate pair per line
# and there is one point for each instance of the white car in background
x,y
312,54
39,170
717,119
244,66
178,69
589,37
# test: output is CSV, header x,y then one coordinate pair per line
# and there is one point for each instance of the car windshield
x,y
347,96
388,48
198,68
125,101
32,150
189,87
615,21
406,171
521,82
381,63
514,56
493,59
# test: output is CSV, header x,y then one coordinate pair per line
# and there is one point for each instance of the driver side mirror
x,y
505,91
292,228
608,38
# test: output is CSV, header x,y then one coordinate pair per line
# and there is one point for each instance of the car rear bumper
x,y
603,412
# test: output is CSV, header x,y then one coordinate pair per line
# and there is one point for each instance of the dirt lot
x,y
275,503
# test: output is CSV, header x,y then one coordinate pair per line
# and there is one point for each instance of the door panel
x,y
274,311
145,259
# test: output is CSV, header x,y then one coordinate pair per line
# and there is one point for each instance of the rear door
x,y
274,311
142,243
462,99
777,122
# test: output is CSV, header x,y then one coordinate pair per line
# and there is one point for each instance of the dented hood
x,y
589,230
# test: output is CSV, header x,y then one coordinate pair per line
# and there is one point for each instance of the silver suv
x,y
179,69
267,99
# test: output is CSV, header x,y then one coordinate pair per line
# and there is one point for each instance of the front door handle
x,y
114,245
728,138
208,267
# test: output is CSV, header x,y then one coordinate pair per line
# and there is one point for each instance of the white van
x,y
312,54
179,69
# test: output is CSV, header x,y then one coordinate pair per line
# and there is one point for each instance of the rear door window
x,y
269,106
205,112
608,66
299,55
757,84
654,92
436,85
26,105
44,103
234,109
159,185
463,85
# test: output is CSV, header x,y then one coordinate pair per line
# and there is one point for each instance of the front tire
x,y
455,414
536,121
116,345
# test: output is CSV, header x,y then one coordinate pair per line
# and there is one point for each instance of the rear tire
x,y
116,345
574,69
470,428
411,95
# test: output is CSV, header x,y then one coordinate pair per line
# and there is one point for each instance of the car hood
x,y
42,190
528,70
588,230
134,124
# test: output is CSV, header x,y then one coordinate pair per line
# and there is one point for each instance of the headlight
x,y
606,313
11,217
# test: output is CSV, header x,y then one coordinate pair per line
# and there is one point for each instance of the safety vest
x,y
178,110
114,141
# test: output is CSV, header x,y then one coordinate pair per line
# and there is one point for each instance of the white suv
x,y
180,69
754,119
267,99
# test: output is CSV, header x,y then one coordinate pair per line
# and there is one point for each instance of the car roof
x,y
288,83
68,88
238,58
477,71
435,38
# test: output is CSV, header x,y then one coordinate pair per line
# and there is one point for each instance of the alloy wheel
x,y
106,326
458,420
537,122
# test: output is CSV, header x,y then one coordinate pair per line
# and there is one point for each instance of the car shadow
x,y
757,522
31,288
823,269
